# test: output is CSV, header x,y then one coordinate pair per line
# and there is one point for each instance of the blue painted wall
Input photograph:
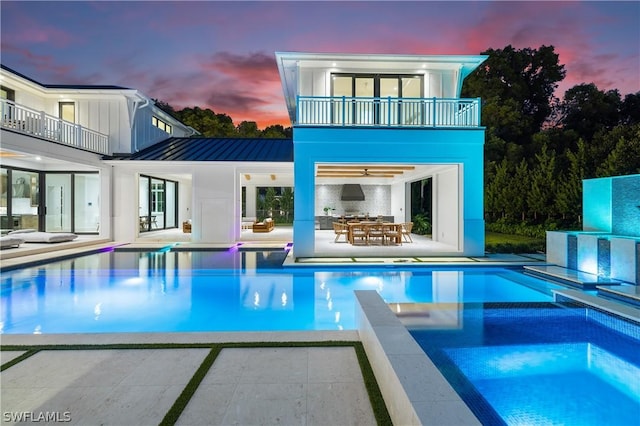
x,y
371,145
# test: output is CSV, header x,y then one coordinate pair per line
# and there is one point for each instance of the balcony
x,y
25,120
421,113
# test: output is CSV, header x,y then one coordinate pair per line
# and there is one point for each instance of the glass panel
x,y
58,202
342,111
68,111
389,106
25,199
86,202
4,190
143,203
171,221
364,108
157,203
412,106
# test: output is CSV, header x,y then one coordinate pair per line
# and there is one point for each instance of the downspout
x,y
137,105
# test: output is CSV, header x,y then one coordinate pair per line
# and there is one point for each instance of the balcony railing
x,y
387,112
29,121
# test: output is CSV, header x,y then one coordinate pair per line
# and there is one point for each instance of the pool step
x,y
613,307
579,279
625,293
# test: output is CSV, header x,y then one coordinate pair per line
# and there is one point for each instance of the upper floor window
x,y
377,99
162,125
377,85
67,111
8,94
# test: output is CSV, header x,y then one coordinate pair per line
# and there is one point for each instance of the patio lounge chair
x,y
33,236
9,241
265,226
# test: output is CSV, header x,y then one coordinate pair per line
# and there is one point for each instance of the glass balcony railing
x,y
25,120
387,112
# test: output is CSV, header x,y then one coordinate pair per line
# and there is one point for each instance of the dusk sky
x,y
220,55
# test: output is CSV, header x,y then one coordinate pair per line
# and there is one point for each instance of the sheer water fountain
x,y
609,244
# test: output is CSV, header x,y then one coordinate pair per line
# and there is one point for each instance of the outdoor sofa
x,y
266,225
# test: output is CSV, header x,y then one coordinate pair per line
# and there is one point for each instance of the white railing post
x,y
434,112
344,109
41,123
389,111
78,136
478,115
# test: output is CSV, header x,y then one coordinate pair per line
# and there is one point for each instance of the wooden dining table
x,y
374,225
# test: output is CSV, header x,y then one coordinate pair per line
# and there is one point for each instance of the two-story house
x,y
374,136
388,126
54,138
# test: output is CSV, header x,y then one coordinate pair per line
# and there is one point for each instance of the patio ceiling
x,y
374,174
363,171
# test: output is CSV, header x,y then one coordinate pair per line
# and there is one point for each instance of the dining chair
x,y
393,232
340,229
359,232
375,232
406,231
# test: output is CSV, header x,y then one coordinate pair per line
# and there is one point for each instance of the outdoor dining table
x,y
381,226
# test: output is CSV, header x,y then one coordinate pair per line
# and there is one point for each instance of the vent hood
x,y
352,192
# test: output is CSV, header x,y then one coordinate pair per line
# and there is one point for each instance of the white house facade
x,y
54,138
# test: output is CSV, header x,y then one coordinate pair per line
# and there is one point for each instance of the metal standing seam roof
x,y
216,149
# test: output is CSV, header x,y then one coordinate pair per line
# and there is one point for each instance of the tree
x,y
207,122
286,202
248,129
587,110
495,193
519,186
277,131
270,200
624,159
569,196
630,109
522,80
543,184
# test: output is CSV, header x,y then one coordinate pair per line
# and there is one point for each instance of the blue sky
x,y
220,55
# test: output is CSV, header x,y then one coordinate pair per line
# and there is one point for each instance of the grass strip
x,y
375,396
14,361
181,403
373,390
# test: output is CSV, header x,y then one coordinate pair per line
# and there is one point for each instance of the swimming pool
x,y
236,290
540,363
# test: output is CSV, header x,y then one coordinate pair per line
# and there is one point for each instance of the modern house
x,y
54,139
372,132
391,129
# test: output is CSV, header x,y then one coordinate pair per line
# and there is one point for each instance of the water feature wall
x,y
609,245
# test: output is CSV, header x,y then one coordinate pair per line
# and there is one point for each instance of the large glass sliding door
x,y
365,104
72,202
158,203
86,202
68,201
58,201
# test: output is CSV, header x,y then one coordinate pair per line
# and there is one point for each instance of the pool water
x,y
541,364
236,290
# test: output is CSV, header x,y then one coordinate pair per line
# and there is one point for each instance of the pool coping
x,y
414,390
